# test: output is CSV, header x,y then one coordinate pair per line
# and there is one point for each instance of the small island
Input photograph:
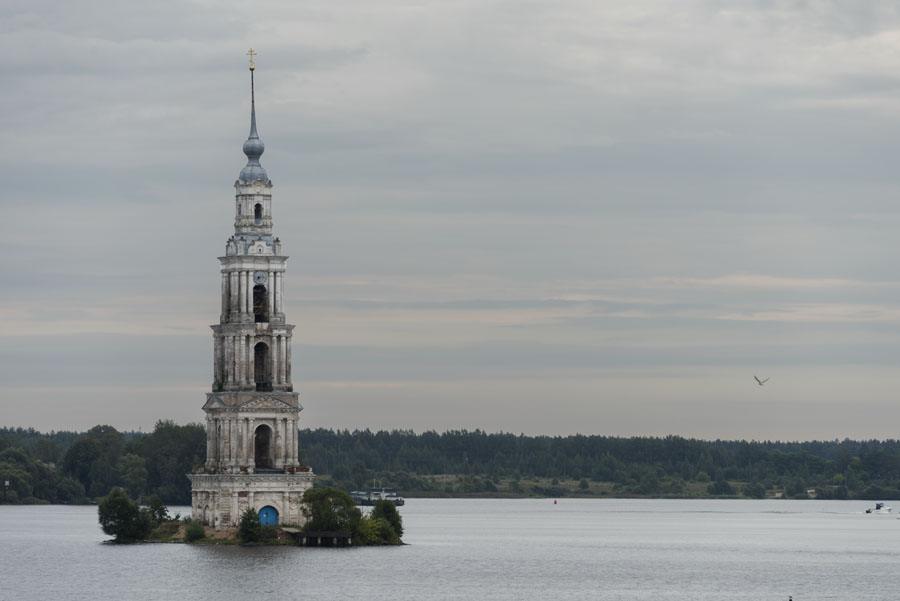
x,y
330,516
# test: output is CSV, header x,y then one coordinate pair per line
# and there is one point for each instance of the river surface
x,y
486,549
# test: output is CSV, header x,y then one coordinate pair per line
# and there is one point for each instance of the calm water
x,y
486,549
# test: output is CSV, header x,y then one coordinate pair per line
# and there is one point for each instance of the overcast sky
x,y
540,217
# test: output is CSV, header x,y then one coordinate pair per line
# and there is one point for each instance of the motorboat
x,y
370,497
880,508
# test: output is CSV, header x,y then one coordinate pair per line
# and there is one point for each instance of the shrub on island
x,y
376,531
121,518
333,510
250,531
330,510
194,531
388,511
159,513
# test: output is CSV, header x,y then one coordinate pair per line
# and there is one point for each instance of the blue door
x,y
268,516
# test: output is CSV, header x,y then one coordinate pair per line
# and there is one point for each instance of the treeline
x,y
645,466
68,467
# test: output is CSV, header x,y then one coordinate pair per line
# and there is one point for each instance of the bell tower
x,y
252,413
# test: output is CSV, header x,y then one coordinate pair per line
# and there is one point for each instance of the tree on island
x,y
122,518
159,513
333,510
387,511
330,510
251,531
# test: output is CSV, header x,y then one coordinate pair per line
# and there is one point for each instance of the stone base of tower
x,y
218,500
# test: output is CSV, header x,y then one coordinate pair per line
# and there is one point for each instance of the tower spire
x,y
252,54
253,147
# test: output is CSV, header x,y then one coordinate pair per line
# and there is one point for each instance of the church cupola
x,y
253,198
253,147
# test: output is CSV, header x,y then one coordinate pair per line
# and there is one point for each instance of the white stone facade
x,y
218,500
252,413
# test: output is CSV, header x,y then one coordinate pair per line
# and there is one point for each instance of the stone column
x,y
296,441
238,363
210,439
242,426
226,434
226,440
242,293
233,290
287,442
278,308
292,455
271,295
232,434
297,436
287,362
251,362
242,362
239,441
236,354
251,446
249,309
235,444
279,443
217,349
281,361
224,297
275,360
220,445
228,359
248,442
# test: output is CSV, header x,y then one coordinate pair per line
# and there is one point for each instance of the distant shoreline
x,y
75,467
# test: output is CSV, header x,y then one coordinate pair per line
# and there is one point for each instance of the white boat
x,y
880,508
370,497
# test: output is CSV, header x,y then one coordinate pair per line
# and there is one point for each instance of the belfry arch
x,y
260,304
262,448
262,370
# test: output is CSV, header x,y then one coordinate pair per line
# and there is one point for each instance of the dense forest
x,y
69,467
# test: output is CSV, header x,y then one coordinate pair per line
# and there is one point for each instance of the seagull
x,y
760,382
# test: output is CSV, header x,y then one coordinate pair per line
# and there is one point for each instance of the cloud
x,y
489,207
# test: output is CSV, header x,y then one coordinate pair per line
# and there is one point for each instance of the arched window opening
x,y
262,447
257,213
262,372
260,304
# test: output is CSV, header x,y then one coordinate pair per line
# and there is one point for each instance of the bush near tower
x,y
122,518
333,510
251,531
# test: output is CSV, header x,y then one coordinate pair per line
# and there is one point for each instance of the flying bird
x,y
760,382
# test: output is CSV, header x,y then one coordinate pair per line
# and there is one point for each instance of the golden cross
x,y
252,54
